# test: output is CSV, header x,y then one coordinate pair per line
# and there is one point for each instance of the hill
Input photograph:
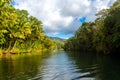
x,y
57,39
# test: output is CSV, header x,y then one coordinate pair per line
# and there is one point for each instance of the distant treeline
x,y
102,35
20,32
58,42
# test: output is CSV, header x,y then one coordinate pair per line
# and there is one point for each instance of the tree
x,y
102,36
19,31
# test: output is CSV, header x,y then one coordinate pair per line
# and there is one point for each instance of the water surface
x,y
59,65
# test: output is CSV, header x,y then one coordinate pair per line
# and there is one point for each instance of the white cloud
x,y
58,15
76,8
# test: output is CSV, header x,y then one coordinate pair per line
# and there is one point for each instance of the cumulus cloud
x,y
59,16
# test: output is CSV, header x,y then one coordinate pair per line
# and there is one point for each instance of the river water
x,y
59,65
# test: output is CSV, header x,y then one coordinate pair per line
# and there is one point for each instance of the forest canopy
x,y
102,35
20,32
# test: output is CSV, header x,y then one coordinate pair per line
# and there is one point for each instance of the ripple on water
x,y
60,67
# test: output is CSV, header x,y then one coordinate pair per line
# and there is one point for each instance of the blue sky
x,y
64,36
61,18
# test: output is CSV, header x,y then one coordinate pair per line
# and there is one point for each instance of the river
x,y
59,65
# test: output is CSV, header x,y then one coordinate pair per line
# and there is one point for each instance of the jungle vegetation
x,y
20,32
59,42
102,35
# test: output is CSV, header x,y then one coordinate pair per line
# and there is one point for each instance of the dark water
x,y
59,65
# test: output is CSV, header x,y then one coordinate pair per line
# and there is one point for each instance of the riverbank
x,y
17,51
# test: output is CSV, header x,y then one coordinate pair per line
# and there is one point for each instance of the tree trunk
x,y
14,44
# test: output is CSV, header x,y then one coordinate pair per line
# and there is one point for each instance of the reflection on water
x,y
59,66
98,67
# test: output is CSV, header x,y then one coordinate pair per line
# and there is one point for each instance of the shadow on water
x,y
95,66
59,65
21,67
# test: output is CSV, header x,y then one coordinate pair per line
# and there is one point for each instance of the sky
x,y
61,18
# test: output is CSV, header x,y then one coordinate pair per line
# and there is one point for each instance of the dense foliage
x,y
20,32
58,42
103,35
